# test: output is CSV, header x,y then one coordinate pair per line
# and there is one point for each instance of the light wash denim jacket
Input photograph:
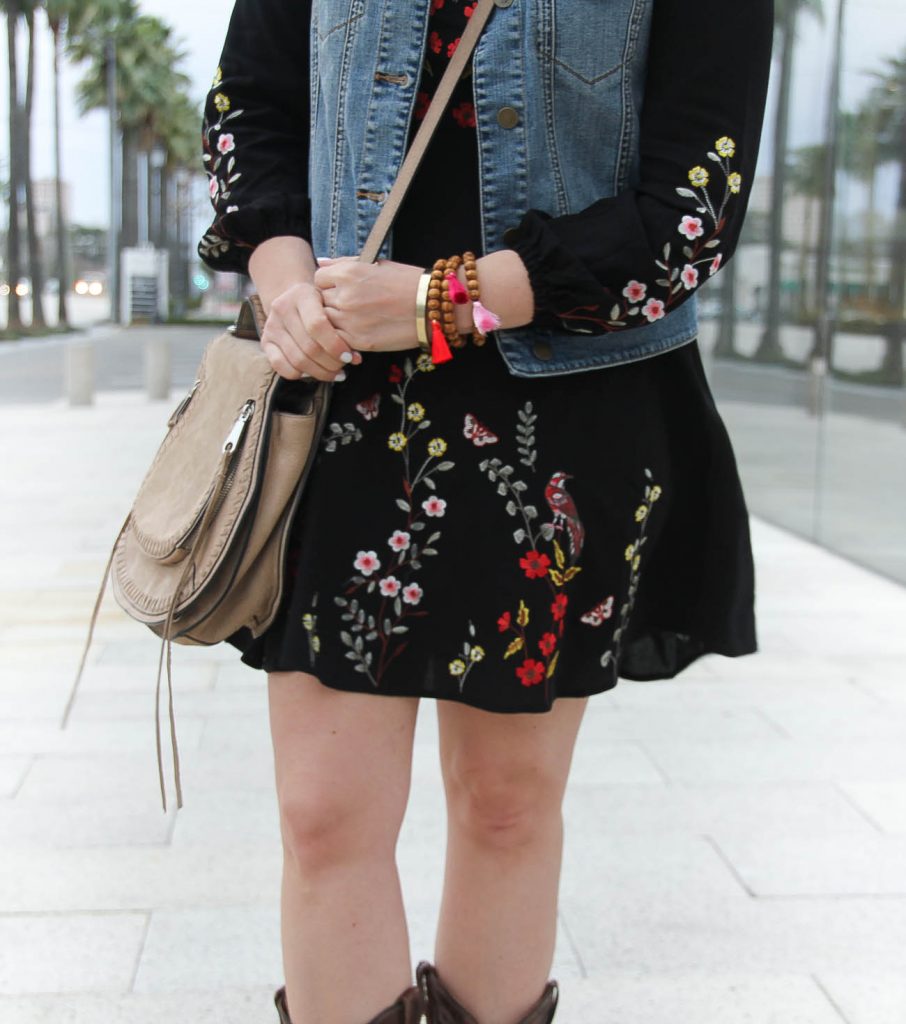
x,y
548,76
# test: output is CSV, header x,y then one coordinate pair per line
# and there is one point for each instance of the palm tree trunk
x,y
13,237
892,365
129,219
769,346
63,274
34,243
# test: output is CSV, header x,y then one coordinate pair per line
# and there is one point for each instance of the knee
x,y
504,806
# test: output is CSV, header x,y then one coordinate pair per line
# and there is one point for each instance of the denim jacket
x,y
541,90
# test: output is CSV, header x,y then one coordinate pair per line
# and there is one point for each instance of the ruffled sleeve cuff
x,y
233,236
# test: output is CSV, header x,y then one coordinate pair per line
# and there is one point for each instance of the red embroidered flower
x,y
558,608
547,643
395,375
435,42
436,5
503,623
530,672
464,114
422,101
469,9
451,47
535,564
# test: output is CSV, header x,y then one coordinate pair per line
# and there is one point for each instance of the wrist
x,y
279,263
506,288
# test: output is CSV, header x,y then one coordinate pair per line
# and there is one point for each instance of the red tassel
x,y
440,350
458,294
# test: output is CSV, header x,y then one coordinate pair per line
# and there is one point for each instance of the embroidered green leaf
x,y
443,466
372,635
519,535
605,658
558,554
429,483
712,244
501,488
341,601
615,313
388,625
346,637
434,537
556,577
403,504
397,398
398,606
687,193
515,646
511,507
552,666
547,530
570,572
713,156
522,616
471,628
417,525
519,485
667,251
400,629
430,551
530,512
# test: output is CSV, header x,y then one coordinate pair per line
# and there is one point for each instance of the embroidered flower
x,y
389,586
464,114
226,143
437,446
451,47
734,181
691,227
425,363
715,264
654,309
231,209
435,42
725,146
221,103
412,594
469,9
213,187
457,667
399,540
218,78
503,623
397,441
689,276
535,564
476,654
434,506
636,562
415,412
699,177
558,608
635,291
655,492
422,102
395,375
629,552
640,513
367,562
547,643
530,672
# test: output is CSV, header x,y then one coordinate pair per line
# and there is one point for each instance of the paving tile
x,y
883,802
832,865
82,779
869,998
100,822
129,736
68,952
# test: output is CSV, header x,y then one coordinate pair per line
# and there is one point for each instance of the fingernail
x,y
345,357
341,375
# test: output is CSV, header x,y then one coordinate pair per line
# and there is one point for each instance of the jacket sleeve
x,y
628,260
255,134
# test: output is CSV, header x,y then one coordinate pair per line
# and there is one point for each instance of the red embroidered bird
x,y
565,514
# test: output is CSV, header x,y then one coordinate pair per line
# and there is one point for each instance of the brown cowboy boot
x,y
408,1009
444,1009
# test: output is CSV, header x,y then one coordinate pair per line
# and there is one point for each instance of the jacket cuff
x,y
231,239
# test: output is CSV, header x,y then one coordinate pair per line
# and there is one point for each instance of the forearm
x,y
505,290
279,263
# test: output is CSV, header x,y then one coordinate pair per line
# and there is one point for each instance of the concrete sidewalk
x,y
736,837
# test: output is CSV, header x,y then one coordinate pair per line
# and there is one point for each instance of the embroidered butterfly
x,y
477,432
595,616
368,407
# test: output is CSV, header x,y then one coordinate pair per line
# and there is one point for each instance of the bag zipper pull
x,y
235,435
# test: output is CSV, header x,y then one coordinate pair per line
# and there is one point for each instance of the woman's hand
x,y
371,306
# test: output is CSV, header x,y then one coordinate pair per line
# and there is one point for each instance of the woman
x,y
525,521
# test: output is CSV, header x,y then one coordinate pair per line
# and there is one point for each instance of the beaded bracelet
x,y
482,317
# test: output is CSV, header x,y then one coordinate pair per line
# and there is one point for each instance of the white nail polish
x,y
345,357
341,375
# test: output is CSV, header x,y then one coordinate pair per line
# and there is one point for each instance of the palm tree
x,y
13,11
807,176
786,15
35,262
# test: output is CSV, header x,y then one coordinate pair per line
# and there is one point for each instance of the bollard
x,y
80,373
157,369
816,383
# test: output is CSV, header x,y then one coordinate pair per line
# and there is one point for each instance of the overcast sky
x,y
875,29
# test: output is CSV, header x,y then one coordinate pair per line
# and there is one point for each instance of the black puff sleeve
x,y
626,261
255,132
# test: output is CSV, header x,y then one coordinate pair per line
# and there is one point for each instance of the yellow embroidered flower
x,y
307,621
635,563
655,493
397,441
640,513
476,654
699,177
630,551
222,103
316,644
457,667
437,446
218,78
416,412
425,363
734,181
725,146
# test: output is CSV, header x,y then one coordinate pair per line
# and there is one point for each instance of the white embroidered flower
x,y
232,209
412,594
715,264
691,227
654,309
367,562
389,587
213,187
399,540
635,291
689,276
434,506
226,143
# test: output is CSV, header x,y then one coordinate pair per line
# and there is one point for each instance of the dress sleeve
x,y
255,134
628,260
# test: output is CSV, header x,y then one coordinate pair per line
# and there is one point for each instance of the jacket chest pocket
x,y
333,17
587,42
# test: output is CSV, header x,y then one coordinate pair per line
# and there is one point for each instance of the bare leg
x,y
343,765
505,776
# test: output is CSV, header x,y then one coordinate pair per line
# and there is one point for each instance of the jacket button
x,y
542,350
508,117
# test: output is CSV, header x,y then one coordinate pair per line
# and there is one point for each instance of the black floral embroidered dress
x,y
471,535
